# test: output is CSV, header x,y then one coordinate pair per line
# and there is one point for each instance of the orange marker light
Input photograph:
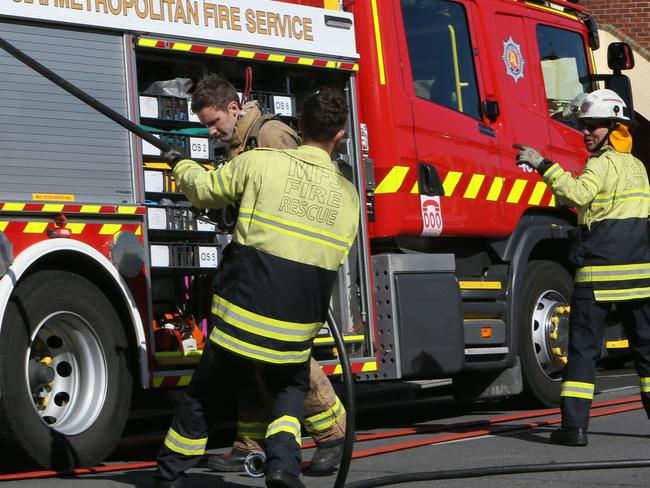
x,y
486,332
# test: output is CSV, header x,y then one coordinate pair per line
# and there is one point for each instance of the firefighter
x,y
216,103
298,218
609,249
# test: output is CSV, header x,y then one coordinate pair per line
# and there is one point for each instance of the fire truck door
x,y
450,132
522,103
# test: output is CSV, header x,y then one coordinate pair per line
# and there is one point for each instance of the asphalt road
x,y
518,441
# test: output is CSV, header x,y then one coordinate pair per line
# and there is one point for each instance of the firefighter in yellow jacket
x,y
610,251
298,218
215,101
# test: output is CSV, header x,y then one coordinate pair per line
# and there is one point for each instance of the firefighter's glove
x,y
528,156
173,156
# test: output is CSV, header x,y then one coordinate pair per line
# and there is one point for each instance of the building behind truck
x,y
459,269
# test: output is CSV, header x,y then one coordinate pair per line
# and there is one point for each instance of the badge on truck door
x,y
431,216
513,59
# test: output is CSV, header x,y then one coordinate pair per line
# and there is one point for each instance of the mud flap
x,y
475,385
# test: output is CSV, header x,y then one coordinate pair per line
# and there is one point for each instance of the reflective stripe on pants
x,y
586,334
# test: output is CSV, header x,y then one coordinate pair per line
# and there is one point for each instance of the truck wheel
x,y
64,382
544,330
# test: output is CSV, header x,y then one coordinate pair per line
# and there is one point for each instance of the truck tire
x,y
65,387
544,330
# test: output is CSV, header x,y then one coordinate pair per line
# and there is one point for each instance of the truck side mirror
x,y
619,57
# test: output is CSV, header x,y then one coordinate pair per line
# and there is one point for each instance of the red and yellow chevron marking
x,y
472,187
184,380
361,367
77,228
240,53
171,381
71,208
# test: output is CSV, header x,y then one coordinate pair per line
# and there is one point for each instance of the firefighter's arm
x,y
210,189
578,191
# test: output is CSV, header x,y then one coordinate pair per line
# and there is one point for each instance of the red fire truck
x,y
460,267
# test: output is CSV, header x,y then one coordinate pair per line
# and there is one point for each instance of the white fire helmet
x,y
599,104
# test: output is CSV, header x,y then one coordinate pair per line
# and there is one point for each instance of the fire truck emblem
x,y
513,59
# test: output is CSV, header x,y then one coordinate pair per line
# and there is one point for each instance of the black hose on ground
x,y
497,470
348,380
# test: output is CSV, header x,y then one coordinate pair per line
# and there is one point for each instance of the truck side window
x,y
564,64
440,51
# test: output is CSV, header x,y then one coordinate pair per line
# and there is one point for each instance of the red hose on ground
x,y
382,435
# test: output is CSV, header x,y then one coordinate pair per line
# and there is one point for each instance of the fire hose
x,y
254,464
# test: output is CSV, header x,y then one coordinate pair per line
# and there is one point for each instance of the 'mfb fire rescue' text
x,y
215,15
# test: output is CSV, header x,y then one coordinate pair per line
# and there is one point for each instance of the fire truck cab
x,y
446,88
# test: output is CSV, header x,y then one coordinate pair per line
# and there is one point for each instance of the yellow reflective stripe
x,y
184,445
474,186
286,424
295,229
553,172
126,210
495,189
451,180
261,325
623,344
52,207
552,202
35,227
613,273
578,389
90,208
110,229
324,420
13,206
75,228
538,193
416,188
257,352
378,46
589,180
516,191
251,430
623,294
393,180
3,225
219,181
644,384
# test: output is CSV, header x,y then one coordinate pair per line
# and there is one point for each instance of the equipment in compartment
x,y
177,331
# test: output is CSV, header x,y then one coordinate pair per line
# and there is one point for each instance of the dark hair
x,y
323,114
213,91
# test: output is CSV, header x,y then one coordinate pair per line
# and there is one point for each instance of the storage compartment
x,y
420,321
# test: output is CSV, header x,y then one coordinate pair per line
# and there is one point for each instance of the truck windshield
x,y
564,64
441,56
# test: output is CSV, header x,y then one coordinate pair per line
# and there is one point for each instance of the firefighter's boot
x,y
233,462
326,458
569,436
279,479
